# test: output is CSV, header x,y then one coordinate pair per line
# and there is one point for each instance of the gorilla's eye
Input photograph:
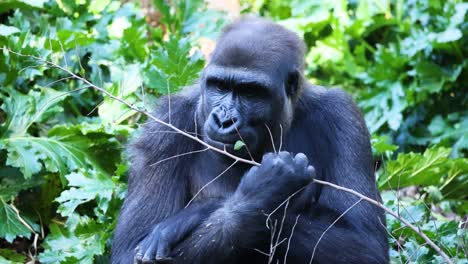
x,y
253,90
248,93
221,88
216,84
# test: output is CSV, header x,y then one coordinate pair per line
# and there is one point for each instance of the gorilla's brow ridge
x,y
242,75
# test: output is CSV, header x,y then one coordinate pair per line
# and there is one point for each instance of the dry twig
x,y
235,158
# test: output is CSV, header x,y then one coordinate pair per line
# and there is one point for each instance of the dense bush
x,y
62,164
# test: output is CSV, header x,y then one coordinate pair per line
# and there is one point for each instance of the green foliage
x,y
239,144
62,159
171,68
11,226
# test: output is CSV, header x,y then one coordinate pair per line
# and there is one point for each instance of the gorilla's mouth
x,y
220,143
227,142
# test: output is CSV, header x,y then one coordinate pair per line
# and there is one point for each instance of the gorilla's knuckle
x,y
268,156
139,256
311,171
301,157
147,260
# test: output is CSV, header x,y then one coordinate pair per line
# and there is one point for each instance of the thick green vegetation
x,y
62,160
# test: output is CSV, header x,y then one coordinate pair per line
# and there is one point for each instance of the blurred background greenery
x,y
62,159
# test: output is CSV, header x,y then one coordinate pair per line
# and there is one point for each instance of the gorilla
x,y
189,204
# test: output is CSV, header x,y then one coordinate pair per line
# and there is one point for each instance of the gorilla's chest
x,y
212,178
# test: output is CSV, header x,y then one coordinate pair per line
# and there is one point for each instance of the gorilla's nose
x,y
225,122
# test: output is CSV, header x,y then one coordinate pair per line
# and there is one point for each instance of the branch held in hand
x,y
224,152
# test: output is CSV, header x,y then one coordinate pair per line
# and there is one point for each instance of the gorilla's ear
x,y
292,83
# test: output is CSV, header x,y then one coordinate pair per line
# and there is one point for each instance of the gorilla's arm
x,y
155,192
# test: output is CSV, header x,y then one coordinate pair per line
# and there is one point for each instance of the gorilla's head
x,y
251,85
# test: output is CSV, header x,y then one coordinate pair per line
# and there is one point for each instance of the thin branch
x,y
278,236
210,182
281,204
235,158
243,141
20,218
281,138
290,237
169,99
168,132
404,221
178,155
271,138
329,227
400,248
143,95
96,107
59,80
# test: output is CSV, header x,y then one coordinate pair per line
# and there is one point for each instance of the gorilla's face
x,y
241,104
249,88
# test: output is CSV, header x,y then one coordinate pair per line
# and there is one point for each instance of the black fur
x,y
226,222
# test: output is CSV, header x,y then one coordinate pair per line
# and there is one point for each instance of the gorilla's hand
x,y
157,246
277,178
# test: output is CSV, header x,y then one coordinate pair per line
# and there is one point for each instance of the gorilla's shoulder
x,y
332,107
328,101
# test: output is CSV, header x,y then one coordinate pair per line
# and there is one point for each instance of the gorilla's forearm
x,y
224,235
236,235
235,230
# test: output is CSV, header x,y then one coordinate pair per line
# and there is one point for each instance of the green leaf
x,y
239,144
11,226
24,110
67,148
65,246
380,145
414,252
456,182
7,30
12,256
98,6
12,182
86,186
416,169
126,82
6,5
55,154
171,67
449,35
116,29
434,193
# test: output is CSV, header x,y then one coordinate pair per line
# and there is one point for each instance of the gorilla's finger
x,y
254,169
301,159
163,251
311,172
148,258
267,156
137,258
286,156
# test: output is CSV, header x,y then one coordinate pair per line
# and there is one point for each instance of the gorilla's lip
x,y
219,143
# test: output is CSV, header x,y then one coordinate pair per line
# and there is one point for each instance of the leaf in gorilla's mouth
x,y
239,144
